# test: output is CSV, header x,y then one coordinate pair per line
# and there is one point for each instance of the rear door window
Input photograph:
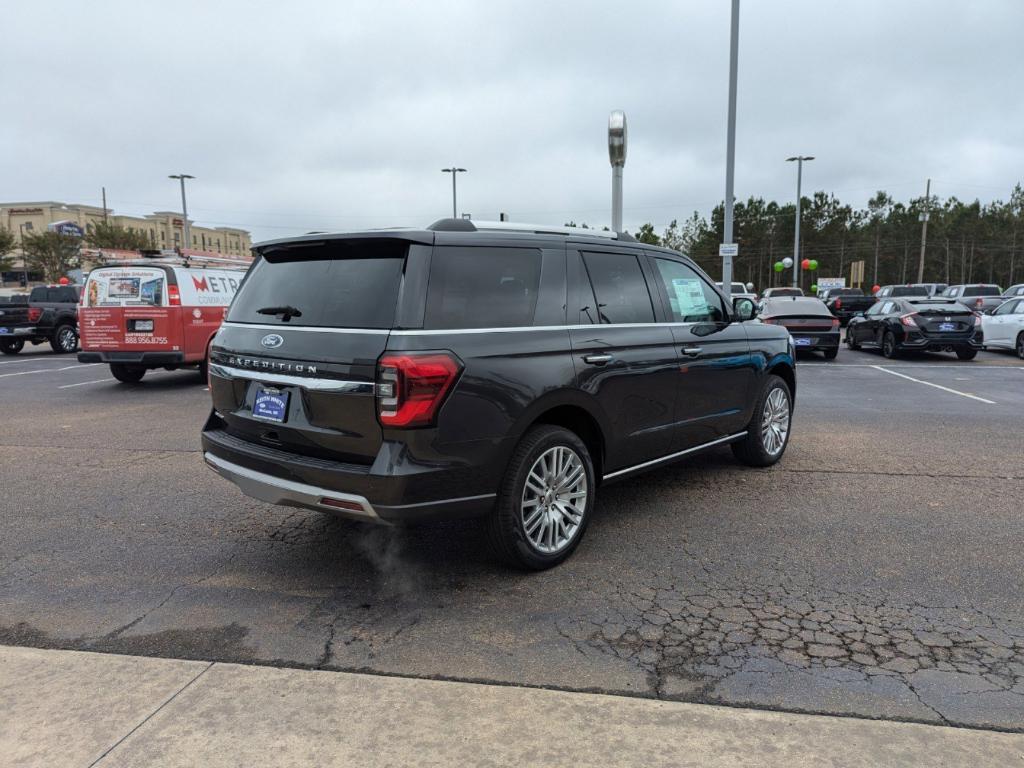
x,y
480,287
619,288
691,299
340,284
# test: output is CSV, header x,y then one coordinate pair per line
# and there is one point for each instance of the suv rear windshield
x,y
981,290
908,290
342,284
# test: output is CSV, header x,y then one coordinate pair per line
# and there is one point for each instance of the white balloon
x,y
787,262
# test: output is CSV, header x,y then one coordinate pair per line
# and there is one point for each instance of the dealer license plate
x,y
270,404
802,341
947,326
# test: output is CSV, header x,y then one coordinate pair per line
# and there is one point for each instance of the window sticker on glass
x,y
689,296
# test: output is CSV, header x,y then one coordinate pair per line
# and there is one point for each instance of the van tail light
x,y
173,296
34,313
908,320
412,386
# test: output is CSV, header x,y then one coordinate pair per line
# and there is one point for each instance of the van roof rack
x,y
466,225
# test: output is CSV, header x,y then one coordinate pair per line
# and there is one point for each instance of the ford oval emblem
x,y
272,341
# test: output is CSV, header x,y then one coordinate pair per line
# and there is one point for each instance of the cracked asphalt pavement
x,y
874,572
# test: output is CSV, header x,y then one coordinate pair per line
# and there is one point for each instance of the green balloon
x,y
814,264
779,266
814,286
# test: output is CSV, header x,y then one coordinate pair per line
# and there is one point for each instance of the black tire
x,y
966,354
1020,346
832,354
751,450
851,345
12,346
127,374
64,340
889,349
506,527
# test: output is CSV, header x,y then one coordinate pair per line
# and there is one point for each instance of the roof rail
x,y
466,225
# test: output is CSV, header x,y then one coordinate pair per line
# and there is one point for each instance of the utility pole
x,y
453,171
799,159
104,205
187,231
730,153
924,229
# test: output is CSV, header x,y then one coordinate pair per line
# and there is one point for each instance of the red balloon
x,y
64,281
876,288
805,264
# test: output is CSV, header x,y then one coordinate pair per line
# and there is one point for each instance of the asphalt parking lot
x,y
876,571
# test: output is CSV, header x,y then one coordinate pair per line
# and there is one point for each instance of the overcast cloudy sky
x,y
338,115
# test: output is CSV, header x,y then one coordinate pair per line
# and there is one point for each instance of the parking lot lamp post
x,y
453,171
21,231
184,207
799,159
730,150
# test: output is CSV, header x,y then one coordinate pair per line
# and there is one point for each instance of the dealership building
x,y
163,229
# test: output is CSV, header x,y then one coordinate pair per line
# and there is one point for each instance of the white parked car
x,y
1004,328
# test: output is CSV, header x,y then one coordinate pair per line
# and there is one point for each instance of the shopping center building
x,y
163,229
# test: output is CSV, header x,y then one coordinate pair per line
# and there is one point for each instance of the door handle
x,y
692,351
597,359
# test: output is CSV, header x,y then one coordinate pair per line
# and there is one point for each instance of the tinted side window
x,y
38,294
690,298
482,287
619,287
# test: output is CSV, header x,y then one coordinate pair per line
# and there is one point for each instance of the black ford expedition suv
x,y
484,370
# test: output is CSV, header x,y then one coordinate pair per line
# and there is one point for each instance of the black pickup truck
x,y
50,313
845,303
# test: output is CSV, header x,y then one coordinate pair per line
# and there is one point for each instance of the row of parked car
x,y
961,319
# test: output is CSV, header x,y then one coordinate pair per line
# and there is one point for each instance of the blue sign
x,y
67,228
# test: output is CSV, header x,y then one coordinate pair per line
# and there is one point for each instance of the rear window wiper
x,y
286,312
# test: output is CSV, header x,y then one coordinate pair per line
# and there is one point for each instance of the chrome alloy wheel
x,y
67,339
775,421
554,499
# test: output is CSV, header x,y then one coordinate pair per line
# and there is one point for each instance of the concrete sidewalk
x,y
67,708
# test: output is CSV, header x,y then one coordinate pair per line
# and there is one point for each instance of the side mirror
x,y
744,308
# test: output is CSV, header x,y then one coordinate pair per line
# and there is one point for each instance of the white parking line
x,y
83,383
937,386
74,367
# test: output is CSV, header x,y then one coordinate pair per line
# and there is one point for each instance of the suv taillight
x,y
411,387
34,313
979,302
173,296
839,303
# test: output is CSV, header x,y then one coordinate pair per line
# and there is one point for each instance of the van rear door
x,y
126,309
294,366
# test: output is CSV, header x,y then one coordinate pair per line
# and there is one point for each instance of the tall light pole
x,y
454,172
730,153
184,207
617,157
24,262
800,160
925,214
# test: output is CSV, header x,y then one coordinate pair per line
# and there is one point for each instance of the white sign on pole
x,y
729,249
830,282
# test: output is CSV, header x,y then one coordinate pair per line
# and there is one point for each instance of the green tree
x,y
100,235
51,253
6,246
646,234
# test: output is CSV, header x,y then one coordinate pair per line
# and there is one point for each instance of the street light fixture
x,y
453,171
24,262
800,160
184,207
